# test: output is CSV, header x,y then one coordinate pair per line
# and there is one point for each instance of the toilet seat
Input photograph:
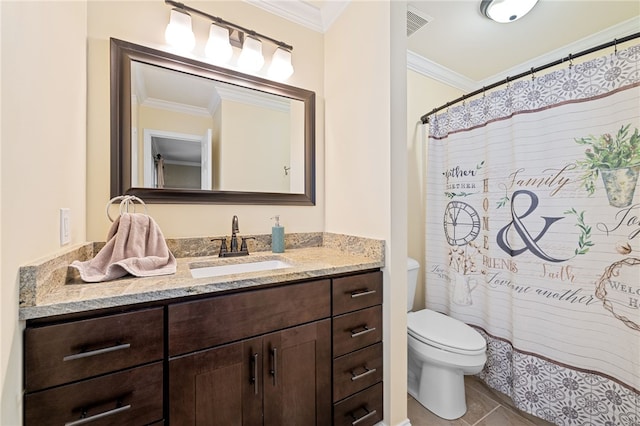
x,y
444,332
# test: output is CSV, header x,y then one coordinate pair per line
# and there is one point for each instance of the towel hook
x,y
126,201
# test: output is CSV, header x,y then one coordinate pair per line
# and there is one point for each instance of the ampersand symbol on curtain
x,y
530,243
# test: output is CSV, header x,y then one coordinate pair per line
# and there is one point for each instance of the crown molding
x,y
321,19
304,13
433,70
175,107
617,31
430,69
259,99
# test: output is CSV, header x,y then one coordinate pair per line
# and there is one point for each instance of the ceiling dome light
x,y
280,68
251,56
218,47
505,11
179,33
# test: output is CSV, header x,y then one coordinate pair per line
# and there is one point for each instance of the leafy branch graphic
x,y
458,194
584,241
503,201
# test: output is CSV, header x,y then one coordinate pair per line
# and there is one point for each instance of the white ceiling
x,y
461,47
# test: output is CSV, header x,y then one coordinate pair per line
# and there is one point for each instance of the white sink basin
x,y
238,268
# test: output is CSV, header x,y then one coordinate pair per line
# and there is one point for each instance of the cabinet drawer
x,y
356,371
130,397
361,409
356,330
357,292
63,353
206,323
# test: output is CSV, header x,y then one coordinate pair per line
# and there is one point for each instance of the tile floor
x,y
485,407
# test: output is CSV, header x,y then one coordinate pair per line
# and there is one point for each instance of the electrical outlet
x,y
65,226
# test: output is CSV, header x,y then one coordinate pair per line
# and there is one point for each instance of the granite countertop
x,y
49,287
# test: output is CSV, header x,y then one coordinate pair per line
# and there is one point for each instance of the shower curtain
x,y
533,236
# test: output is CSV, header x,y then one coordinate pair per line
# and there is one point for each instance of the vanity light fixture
x,y
251,58
179,33
505,11
218,47
280,68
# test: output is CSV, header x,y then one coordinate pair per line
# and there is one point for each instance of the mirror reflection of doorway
x,y
177,160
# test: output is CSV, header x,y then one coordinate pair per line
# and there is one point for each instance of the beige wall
x,y
366,145
42,142
144,23
365,96
247,158
423,95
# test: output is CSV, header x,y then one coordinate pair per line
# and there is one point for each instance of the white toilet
x,y
441,351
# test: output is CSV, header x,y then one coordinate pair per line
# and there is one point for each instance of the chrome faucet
x,y
233,248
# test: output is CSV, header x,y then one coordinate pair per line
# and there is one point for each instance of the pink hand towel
x,y
135,245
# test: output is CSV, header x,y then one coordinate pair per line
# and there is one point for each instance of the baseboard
x,y
405,422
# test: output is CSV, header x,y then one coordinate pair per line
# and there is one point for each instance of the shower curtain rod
x,y
425,118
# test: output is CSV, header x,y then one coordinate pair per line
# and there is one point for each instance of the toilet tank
x,y
412,280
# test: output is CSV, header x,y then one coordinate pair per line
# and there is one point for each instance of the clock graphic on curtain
x,y
461,223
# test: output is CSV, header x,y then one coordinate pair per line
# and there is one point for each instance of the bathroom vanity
x,y
297,347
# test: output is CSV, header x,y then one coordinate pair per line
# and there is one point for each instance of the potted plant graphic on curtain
x,y
617,159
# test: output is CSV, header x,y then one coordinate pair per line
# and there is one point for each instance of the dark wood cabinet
x,y
99,371
215,386
306,353
297,379
131,397
263,356
357,349
279,379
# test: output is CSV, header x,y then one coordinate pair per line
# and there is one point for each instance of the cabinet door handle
x,y
274,366
363,418
254,372
365,330
355,376
98,416
96,352
359,293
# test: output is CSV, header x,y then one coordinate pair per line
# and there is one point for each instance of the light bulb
x,y
218,47
251,56
280,68
178,33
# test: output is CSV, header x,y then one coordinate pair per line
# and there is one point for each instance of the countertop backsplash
x,y
49,286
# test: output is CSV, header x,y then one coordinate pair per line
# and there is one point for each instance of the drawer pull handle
x,y
254,372
359,293
274,366
363,418
98,416
361,375
365,330
96,352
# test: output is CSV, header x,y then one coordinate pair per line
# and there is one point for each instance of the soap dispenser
x,y
277,236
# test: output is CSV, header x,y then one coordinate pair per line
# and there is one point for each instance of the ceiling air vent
x,y
416,19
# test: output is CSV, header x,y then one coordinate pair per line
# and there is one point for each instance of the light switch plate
x,y
65,226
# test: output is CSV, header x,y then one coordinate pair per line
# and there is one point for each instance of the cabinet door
x,y
220,386
297,376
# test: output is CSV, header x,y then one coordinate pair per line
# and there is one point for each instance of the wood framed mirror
x,y
185,131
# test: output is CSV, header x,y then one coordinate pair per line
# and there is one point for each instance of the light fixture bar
x,y
228,24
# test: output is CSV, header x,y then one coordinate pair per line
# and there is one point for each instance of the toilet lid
x,y
444,332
